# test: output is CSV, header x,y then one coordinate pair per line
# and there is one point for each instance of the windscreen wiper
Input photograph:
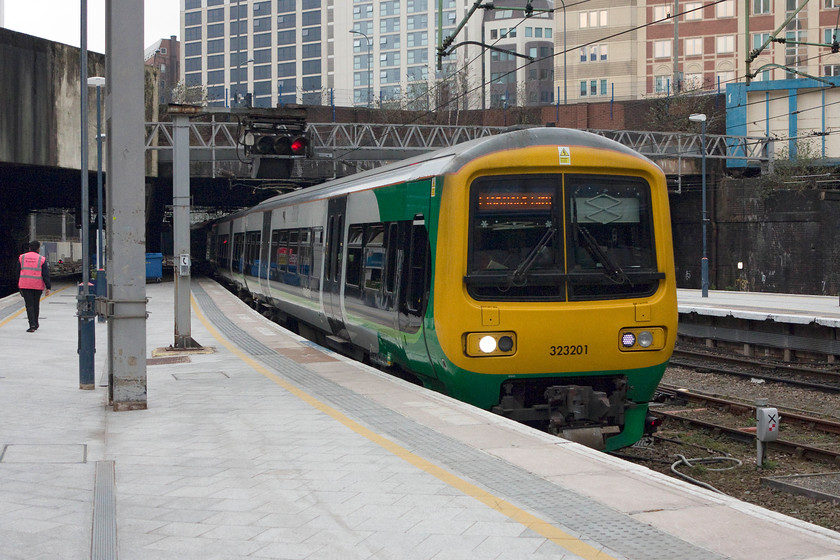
x,y
518,277
613,271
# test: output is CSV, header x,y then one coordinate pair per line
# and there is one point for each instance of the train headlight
x,y
487,344
638,339
490,344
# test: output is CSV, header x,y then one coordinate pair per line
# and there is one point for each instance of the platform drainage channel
x,y
816,486
43,453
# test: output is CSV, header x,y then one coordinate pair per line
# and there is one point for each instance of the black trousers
x,y
32,298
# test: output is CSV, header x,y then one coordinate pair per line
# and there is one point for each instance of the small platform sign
x,y
565,155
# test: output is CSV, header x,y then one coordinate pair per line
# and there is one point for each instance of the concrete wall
x,y
787,240
41,102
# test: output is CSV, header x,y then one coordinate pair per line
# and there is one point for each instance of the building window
x,y
761,6
194,49
213,62
286,53
694,46
417,39
692,82
597,18
725,44
662,49
661,84
192,5
192,18
831,70
725,9
310,18
725,77
215,15
286,37
693,11
285,6
192,34
494,33
417,22
286,21
831,35
389,25
262,40
661,12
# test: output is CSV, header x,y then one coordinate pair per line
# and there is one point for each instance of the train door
x,y
415,284
265,252
334,256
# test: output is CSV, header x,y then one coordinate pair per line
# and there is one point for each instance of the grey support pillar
x,y
181,226
126,196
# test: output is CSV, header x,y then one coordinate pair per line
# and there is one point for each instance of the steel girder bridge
x,y
370,145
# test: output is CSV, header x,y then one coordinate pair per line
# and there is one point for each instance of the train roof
x,y
446,160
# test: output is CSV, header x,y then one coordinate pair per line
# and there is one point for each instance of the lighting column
x,y
704,262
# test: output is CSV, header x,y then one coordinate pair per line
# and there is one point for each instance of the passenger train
x,y
529,273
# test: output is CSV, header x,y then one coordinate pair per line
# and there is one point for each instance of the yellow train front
x,y
553,299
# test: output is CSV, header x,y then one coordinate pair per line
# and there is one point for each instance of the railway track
x,y
740,408
799,376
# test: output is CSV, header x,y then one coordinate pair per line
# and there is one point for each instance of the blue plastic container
x,y
154,266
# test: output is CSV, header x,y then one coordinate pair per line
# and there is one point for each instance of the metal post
x,y
565,92
370,65
181,229
85,299
704,262
126,197
704,268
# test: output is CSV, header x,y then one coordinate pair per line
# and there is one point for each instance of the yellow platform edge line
x,y
530,521
19,311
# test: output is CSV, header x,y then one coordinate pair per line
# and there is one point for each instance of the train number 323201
x,y
569,350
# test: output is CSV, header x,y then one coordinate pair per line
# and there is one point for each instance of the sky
x,y
58,20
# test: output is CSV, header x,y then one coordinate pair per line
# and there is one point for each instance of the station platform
x,y
759,306
271,447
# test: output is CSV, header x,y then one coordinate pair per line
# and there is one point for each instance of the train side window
x,y
355,237
338,248
272,254
281,251
223,251
305,254
252,253
238,244
391,246
374,256
292,252
317,258
328,275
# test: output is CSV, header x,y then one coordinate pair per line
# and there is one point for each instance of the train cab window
x,y
514,239
610,250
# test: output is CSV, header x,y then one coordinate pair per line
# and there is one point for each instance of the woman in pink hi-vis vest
x,y
34,278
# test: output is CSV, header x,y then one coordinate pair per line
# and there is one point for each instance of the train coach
x,y
529,273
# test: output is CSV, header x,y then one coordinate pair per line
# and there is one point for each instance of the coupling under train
x,y
529,273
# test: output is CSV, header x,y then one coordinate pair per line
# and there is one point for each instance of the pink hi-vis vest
x,y
30,271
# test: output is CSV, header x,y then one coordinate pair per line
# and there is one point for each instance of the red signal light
x,y
299,146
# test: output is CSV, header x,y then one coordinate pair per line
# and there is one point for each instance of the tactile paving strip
x,y
568,510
